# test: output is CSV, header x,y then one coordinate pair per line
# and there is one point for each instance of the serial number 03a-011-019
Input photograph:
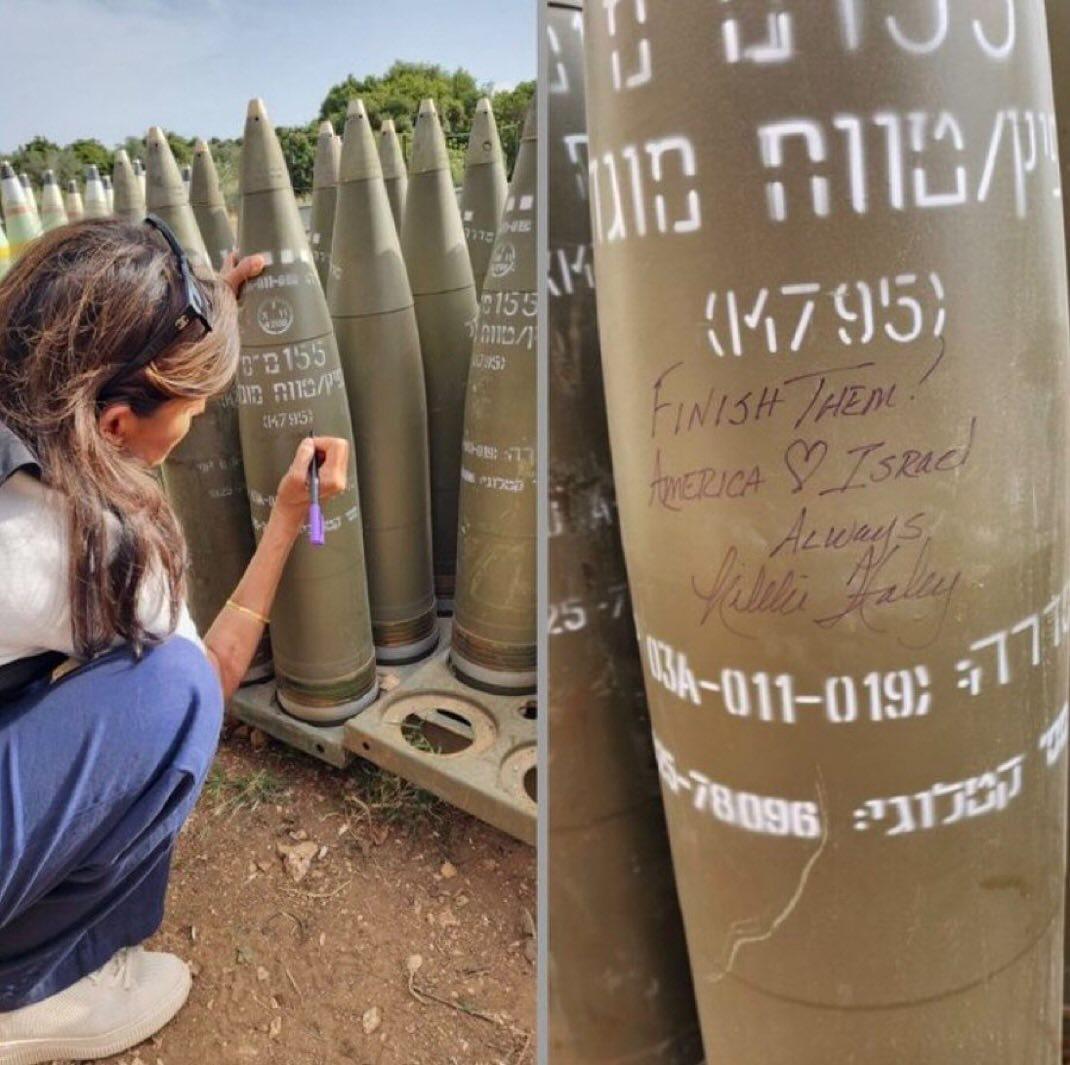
x,y
875,698
895,695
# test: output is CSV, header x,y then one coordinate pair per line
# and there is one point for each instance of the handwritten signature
x,y
736,592
870,587
732,594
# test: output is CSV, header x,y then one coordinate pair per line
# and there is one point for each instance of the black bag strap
x,y
20,674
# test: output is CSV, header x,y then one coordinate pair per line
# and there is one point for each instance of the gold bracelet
x,y
251,613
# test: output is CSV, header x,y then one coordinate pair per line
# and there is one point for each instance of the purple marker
x,y
317,535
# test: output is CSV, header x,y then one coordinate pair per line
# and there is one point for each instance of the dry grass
x,y
228,793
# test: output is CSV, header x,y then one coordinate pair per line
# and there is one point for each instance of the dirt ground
x,y
409,940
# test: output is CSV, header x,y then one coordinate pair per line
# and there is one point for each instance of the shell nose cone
x,y
328,151
484,144
360,157
429,142
263,166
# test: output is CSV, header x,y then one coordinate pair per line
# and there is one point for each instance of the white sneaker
x,y
120,1005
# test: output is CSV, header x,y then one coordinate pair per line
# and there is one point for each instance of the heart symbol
x,y
803,460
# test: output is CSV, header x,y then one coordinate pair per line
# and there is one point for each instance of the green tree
x,y
510,108
35,157
41,154
134,147
40,144
299,149
397,95
226,154
181,147
90,152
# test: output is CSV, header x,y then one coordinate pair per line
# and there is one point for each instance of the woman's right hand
x,y
293,497
235,634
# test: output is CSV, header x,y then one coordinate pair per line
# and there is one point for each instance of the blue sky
x,y
112,68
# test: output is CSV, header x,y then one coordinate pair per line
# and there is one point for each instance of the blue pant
x,y
98,772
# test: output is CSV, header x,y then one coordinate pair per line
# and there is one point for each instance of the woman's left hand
x,y
237,271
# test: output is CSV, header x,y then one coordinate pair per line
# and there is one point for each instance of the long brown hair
x,y
80,302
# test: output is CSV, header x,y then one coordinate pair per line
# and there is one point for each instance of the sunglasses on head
x,y
195,310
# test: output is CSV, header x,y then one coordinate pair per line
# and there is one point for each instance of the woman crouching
x,y
110,701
